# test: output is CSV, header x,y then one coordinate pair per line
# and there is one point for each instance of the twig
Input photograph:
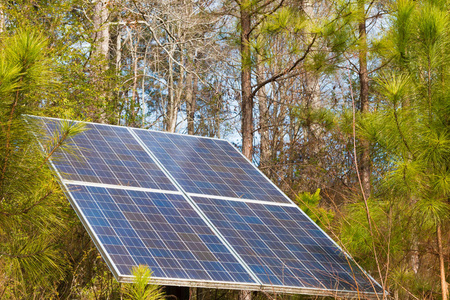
x,y
26,210
285,71
369,218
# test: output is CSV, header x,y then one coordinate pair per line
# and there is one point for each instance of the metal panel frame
x,y
243,200
259,288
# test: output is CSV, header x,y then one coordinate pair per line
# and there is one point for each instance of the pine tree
x,y
32,206
412,124
140,289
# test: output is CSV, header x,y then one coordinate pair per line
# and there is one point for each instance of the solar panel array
x,y
197,213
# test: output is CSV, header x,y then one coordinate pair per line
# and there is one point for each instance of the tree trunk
x,y
118,50
101,50
193,107
246,78
2,20
364,98
101,29
191,80
190,103
135,96
263,120
415,262
444,285
171,114
181,78
245,295
193,293
247,99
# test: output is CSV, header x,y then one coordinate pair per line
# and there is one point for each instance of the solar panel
x,y
282,246
197,213
160,230
109,155
209,167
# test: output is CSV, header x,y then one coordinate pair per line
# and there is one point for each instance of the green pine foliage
x,y
140,289
310,204
32,206
90,84
413,123
410,129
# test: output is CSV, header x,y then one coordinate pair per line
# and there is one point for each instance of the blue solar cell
x,y
281,248
209,167
159,230
107,154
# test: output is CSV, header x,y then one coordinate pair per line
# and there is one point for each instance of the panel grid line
x,y
289,204
163,240
242,200
210,167
157,233
121,187
108,155
234,271
252,227
272,251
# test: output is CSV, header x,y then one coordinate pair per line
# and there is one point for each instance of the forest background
x,y
344,104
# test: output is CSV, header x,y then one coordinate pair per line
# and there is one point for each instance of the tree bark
x,y
245,295
101,29
193,293
171,107
415,259
263,120
247,98
101,50
190,103
2,20
444,285
246,78
364,99
191,90
118,50
135,96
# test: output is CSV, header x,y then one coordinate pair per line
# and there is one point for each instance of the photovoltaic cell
x,y
209,167
159,230
106,154
282,246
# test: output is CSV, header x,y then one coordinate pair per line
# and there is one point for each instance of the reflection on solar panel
x,y
198,214
160,230
282,246
109,155
209,167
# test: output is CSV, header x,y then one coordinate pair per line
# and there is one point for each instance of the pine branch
x,y
28,255
26,210
8,135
